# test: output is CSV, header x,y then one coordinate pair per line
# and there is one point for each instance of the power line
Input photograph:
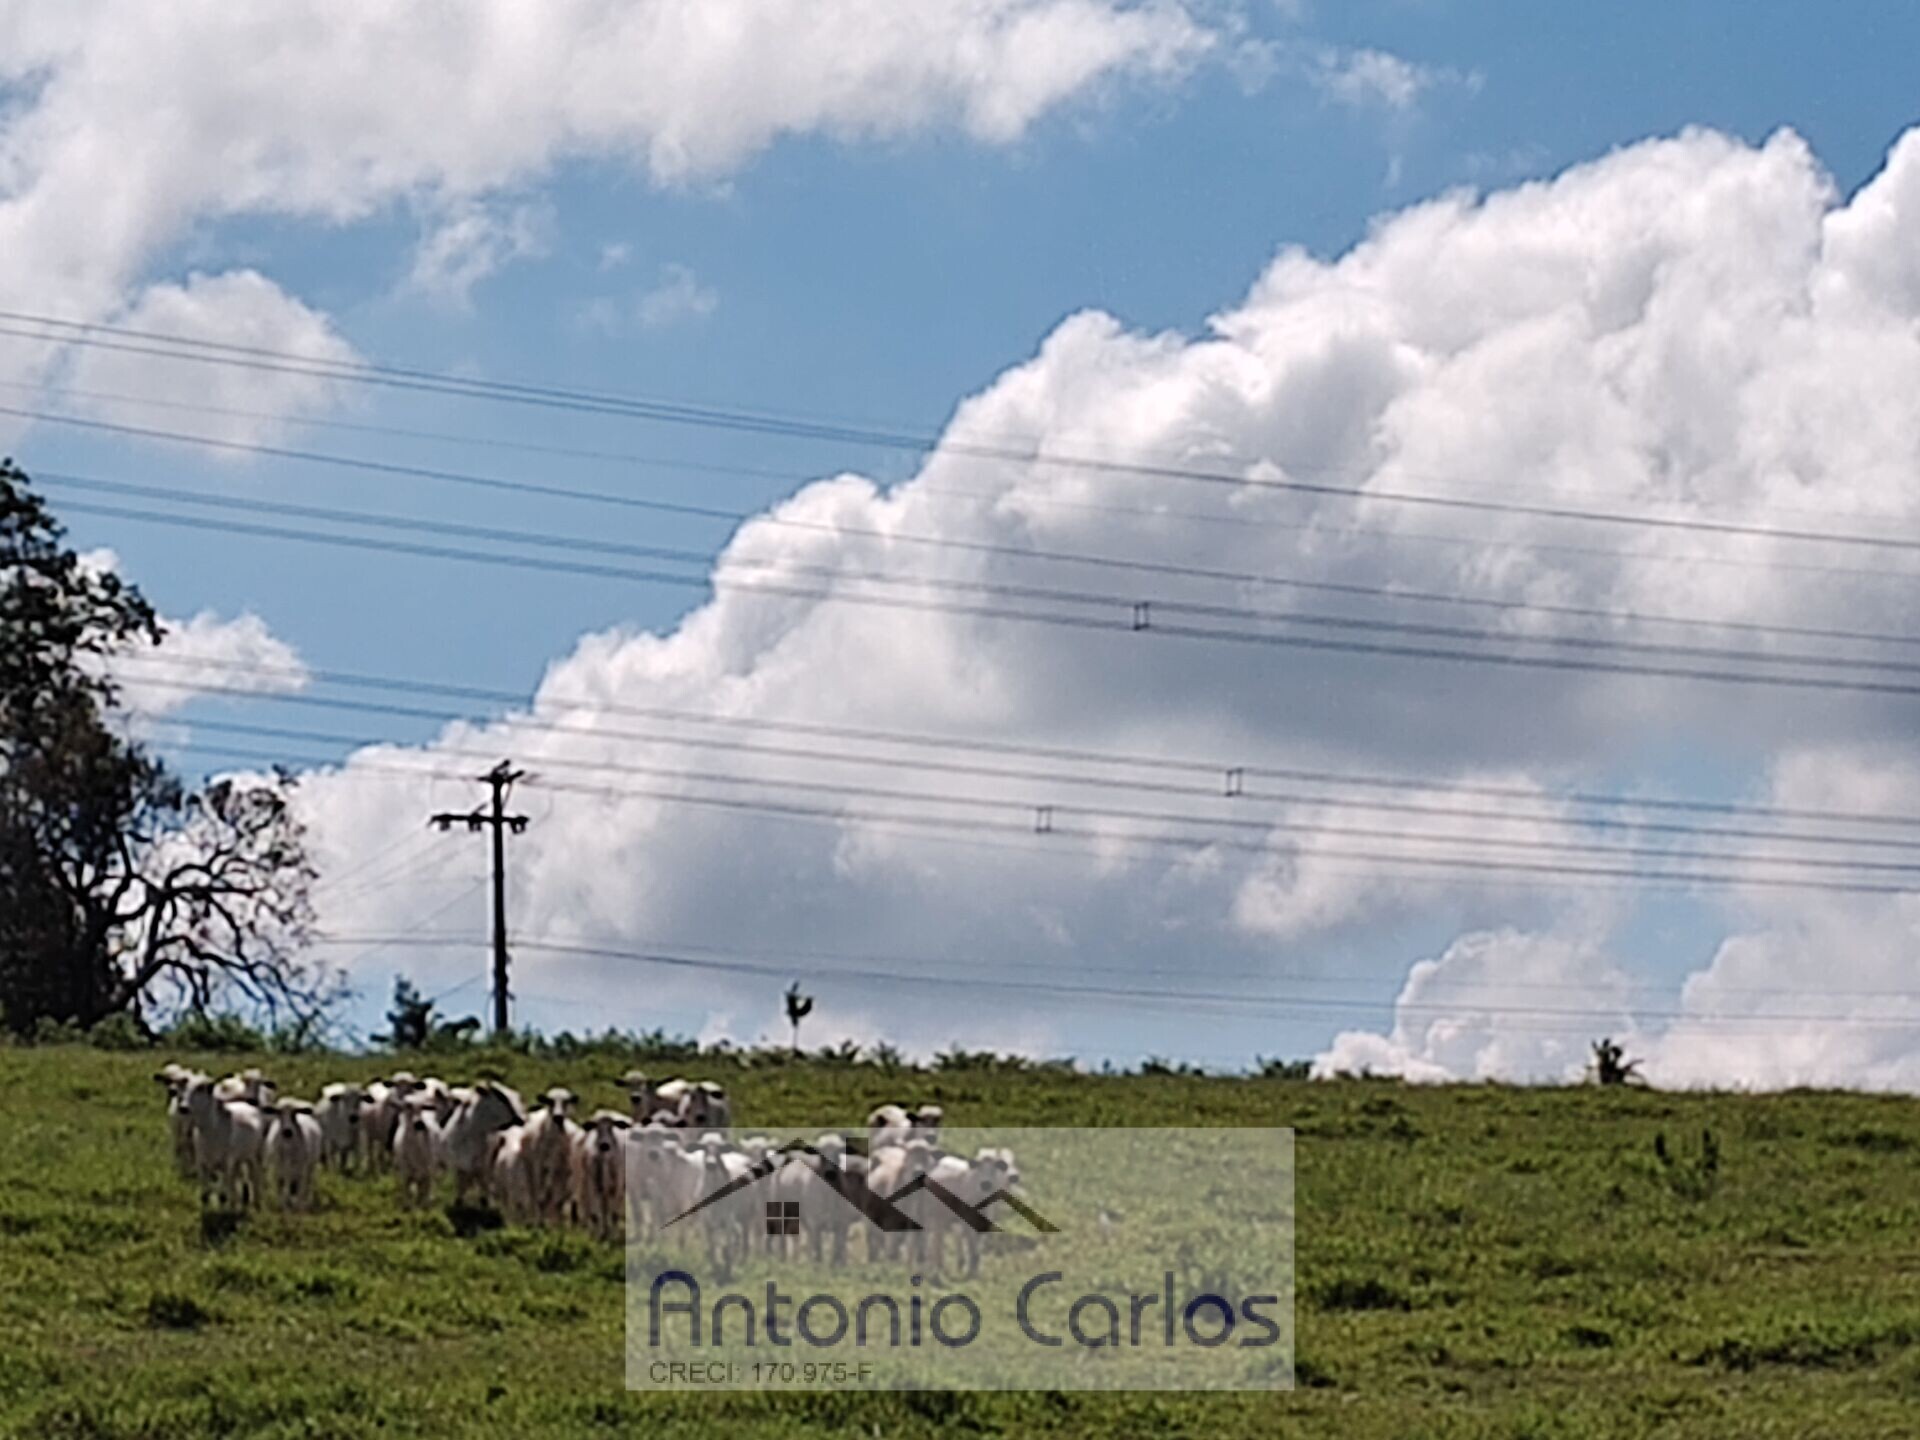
x,y
1140,622
885,434
934,766
590,544
722,418
1049,826
1056,810
920,487
949,743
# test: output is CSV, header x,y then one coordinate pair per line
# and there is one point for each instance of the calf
x,y
601,1172
175,1079
817,1184
549,1155
341,1111
897,1173
667,1181
974,1183
417,1152
294,1146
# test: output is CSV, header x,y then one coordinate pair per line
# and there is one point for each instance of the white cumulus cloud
x,y
1688,327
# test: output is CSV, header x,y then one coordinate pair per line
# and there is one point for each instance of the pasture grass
x,y
1473,1261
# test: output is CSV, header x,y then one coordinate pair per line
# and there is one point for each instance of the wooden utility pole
x,y
495,817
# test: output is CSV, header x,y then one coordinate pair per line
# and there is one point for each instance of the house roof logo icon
x,y
881,1211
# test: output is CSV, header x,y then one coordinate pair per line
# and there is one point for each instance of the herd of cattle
x,y
671,1154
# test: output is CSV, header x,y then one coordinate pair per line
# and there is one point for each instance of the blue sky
x,y
885,279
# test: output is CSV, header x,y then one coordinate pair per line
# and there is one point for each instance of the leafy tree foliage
x,y
119,887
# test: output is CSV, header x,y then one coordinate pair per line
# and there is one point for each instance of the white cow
x,y
668,1181
894,1173
341,1111
294,1145
809,1181
974,1183
175,1079
700,1105
489,1109
510,1175
385,1100
440,1096
642,1098
229,1139
548,1150
417,1152
249,1085
729,1213
600,1172
896,1124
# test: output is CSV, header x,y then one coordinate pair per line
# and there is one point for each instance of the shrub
x,y
197,1030
49,1031
119,1032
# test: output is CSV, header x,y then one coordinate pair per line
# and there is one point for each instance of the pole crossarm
x,y
493,816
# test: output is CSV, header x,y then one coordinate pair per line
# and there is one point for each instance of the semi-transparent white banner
x,y
922,1258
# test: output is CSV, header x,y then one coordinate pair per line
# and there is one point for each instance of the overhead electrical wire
x,y
89,335
681,555
1119,624
1531,843
921,487
935,766
949,743
1476,866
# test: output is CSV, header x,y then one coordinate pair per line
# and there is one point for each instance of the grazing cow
x,y
294,1145
440,1096
642,1099
975,1183
175,1079
707,1107
809,1182
668,1181
341,1111
417,1152
491,1108
895,1125
549,1155
229,1138
730,1216
249,1085
601,1172
510,1175
385,1101
700,1105
896,1173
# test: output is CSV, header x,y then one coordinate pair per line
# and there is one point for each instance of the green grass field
x,y
1473,1261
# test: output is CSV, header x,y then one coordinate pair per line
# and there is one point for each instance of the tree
x,y
798,1008
410,1021
118,886
1611,1066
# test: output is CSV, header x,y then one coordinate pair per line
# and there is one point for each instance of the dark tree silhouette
x,y
1610,1064
798,1008
410,1021
118,886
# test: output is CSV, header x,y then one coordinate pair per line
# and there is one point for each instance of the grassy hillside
x,y
1473,1261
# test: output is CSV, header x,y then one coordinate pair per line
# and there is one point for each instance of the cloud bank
x,y
1689,327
